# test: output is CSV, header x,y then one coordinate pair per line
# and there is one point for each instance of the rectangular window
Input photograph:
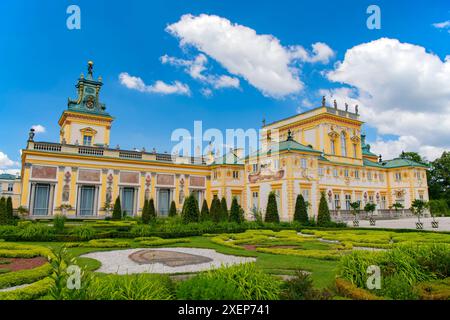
x,y
383,202
255,200
348,200
398,176
333,147
337,201
356,174
335,172
128,200
87,140
303,163
10,187
41,200
371,199
235,174
305,194
355,152
87,200
215,175
255,167
320,171
346,173
381,176
276,164
369,175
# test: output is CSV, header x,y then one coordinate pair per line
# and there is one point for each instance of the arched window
x,y
333,147
343,145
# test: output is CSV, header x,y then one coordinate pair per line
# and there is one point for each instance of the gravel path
x,y
15,287
118,261
409,223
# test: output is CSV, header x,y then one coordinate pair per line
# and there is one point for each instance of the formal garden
x,y
213,253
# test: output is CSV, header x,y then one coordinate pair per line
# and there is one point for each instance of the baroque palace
x,y
321,150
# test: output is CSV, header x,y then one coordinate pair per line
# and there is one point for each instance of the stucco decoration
x,y
197,181
266,173
66,188
88,175
165,179
43,172
129,177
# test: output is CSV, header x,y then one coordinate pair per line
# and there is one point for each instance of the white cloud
x,y
136,83
196,68
401,89
38,128
259,59
15,172
5,162
442,25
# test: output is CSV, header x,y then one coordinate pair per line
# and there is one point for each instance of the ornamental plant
x,y
145,213
301,213
117,211
272,209
370,208
418,207
204,213
151,210
224,210
215,209
356,206
173,209
235,211
9,210
190,211
323,217
3,216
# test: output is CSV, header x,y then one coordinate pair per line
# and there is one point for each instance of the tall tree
x,y
215,210
323,217
235,211
439,178
413,156
117,211
204,213
301,212
272,209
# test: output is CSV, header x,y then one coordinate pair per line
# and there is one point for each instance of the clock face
x,y
90,102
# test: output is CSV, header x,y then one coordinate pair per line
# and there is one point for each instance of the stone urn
x,y
435,224
372,221
419,225
356,223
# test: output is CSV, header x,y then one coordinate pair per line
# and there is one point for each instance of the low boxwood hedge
x,y
31,292
17,278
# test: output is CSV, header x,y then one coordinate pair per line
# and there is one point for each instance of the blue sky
x,y
41,59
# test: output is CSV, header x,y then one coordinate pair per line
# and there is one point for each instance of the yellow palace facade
x,y
321,150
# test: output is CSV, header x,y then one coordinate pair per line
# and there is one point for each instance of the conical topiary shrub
x,y
272,209
215,209
117,211
190,211
224,210
151,210
301,212
3,217
204,213
145,214
173,209
235,211
9,210
323,217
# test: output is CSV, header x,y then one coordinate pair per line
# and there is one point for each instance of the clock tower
x,y
85,121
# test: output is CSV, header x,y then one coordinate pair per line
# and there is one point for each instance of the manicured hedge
x,y
31,292
17,278
349,290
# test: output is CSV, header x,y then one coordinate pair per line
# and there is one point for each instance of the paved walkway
x,y
408,223
119,262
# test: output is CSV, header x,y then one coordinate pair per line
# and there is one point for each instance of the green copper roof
x,y
401,162
368,163
7,176
367,152
288,145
